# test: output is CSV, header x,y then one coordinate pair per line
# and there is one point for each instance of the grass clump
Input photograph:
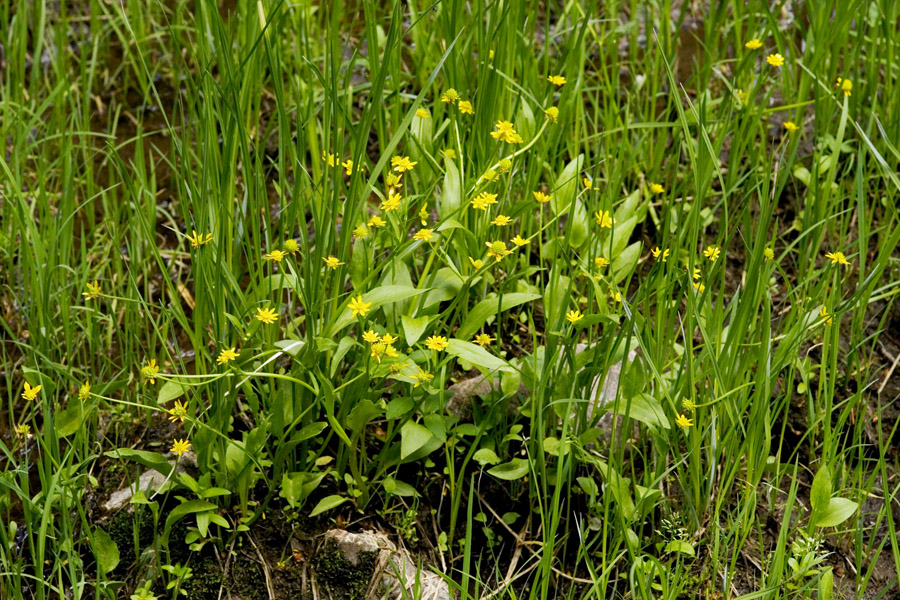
x,y
580,299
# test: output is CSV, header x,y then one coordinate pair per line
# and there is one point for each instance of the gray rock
x,y
395,575
150,481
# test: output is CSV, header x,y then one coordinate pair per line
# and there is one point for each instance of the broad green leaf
x,y
566,186
182,510
488,308
69,421
837,511
680,546
327,503
412,437
170,391
486,456
292,347
451,197
517,468
643,408
311,431
151,460
364,411
413,328
398,488
296,487
478,356
105,550
820,493
398,407
625,262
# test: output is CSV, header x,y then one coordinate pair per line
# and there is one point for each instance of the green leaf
x,y
182,510
643,408
105,550
680,546
399,488
69,421
151,460
517,468
486,456
412,437
566,186
311,431
451,197
837,511
398,407
327,503
170,391
292,347
295,487
413,328
625,262
478,356
820,493
488,308
361,414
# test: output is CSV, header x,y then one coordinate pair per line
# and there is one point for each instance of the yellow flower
x,y
392,202
501,221
696,273
790,126
573,316
377,221
837,258
450,96
683,422
30,393
688,405
332,262
483,339
775,60
519,241
181,446
604,219
402,164
359,307
424,215
615,295
423,114
769,253
483,200
588,184
449,153
226,356
847,87
198,239
557,80
93,291
699,287
437,342
361,231
712,253
466,108
178,412
424,235
291,246
84,392
476,263
600,262
378,350
656,252
266,315
422,377
23,430
393,180
505,165
330,159
541,197
506,132
497,250
656,188
388,339
370,336
276,255
824,314
753,44
552,113
150,371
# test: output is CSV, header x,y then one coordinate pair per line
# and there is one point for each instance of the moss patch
x,y
341,578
